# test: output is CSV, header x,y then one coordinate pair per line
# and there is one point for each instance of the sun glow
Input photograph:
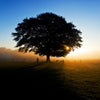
x,y
79,53
67,48
79,50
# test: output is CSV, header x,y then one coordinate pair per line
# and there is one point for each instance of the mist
x,y
14,55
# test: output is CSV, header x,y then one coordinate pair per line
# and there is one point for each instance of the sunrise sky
x,y
85,14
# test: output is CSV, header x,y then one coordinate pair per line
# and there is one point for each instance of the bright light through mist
x,y
78,53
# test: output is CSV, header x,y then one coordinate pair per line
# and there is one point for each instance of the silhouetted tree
x,y
47,34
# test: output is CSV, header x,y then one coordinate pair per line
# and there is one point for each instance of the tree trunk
x,y
48,58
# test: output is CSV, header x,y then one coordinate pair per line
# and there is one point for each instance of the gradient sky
x,y
84,14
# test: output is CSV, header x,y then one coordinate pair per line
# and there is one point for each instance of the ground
x,y
53,80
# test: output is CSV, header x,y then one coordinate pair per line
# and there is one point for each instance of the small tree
x,y
47,34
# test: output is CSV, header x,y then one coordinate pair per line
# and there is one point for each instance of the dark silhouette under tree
x,y
47,34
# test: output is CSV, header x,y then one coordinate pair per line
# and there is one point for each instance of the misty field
x,y
76,80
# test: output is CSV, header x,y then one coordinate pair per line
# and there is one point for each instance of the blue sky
x,y
85,14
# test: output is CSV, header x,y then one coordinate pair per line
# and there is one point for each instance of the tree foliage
x,y
47,34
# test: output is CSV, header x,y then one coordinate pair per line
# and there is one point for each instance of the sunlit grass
x,y
84,77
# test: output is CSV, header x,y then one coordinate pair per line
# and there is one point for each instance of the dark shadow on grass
x,y
38,84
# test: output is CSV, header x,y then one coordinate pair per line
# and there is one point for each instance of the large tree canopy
x,y
47,34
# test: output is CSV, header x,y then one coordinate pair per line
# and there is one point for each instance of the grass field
x,y
71,80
